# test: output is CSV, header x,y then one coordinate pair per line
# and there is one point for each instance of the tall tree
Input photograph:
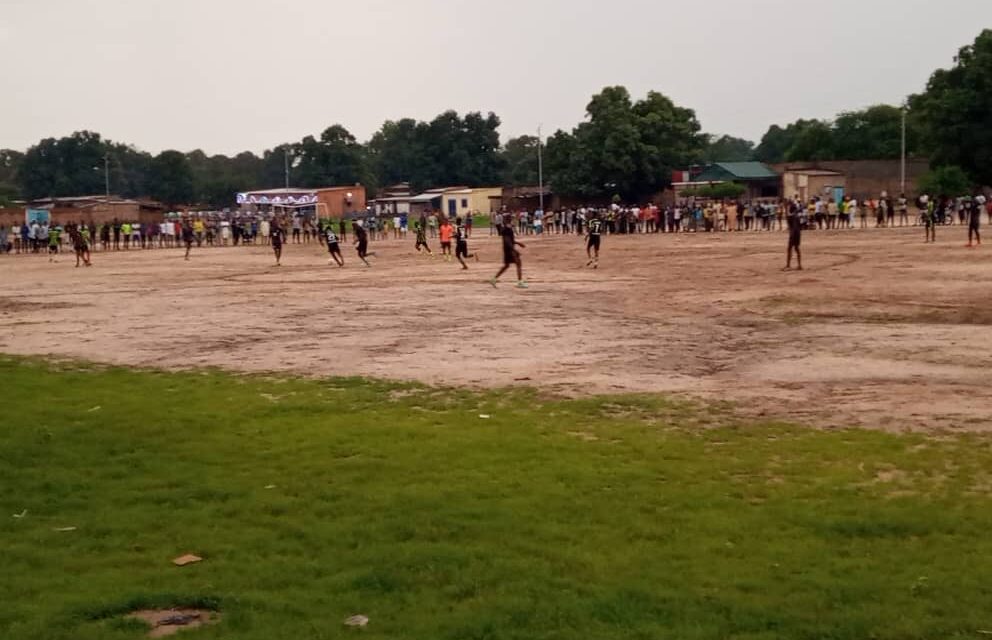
x,y
394,152
727,149
449,150
520,158
814,141
777,143
69,166
624,148
10,163
335,159
170,179
955,111
874,133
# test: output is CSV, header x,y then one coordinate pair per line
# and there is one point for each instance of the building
x,y
811,183
327,202
87,209
867,178
760,180
476,200
393,201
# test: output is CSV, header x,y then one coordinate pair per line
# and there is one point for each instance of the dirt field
x,y
880,330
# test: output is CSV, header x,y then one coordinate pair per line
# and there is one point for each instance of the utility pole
x,y
285,158
540,170
106,174
902,180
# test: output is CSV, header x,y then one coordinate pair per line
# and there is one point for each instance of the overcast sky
x,y
230,75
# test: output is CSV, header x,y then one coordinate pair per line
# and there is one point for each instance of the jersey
x,y
595,227
461,234
330,236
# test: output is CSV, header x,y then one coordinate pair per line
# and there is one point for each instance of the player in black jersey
x,y
277,236
795,222
420,228
593,236
332,245
510,255
361,242
188,236
461,244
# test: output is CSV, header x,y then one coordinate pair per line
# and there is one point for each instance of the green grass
x,y
626,517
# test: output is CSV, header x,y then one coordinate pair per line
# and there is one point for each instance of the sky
x,y
232,75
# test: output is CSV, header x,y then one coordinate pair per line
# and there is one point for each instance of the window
x,y
464,203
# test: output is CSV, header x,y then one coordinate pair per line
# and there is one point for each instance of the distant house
x,y
460,202
456,201
760,180
89,209
863,178
811,183
393,200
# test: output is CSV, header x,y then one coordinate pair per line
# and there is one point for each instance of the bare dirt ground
x,y
880,330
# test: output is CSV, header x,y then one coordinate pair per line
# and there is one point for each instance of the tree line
x,y
623,147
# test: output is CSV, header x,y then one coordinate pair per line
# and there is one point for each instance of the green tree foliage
x,y
73,165
724,190
955,111
623,147
217,178
170,179
727,149
874,133
520,158
951,181
10,164
335,159
449,150
777,143
395,153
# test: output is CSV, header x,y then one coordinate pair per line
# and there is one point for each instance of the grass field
x,y
622,517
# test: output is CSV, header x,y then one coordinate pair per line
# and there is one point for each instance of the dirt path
x,y
880,330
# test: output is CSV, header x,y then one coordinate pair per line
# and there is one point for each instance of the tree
x,y
950,181
69,166
10,163
449,150
335,159
777,144
814,141
170,179
874,133
727,149
624,148
955,111
721,191
395,154
520,158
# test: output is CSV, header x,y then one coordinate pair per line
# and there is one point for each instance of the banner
x,y
41,216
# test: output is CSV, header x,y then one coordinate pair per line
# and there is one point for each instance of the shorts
x,y
363,247
53,248
446,245
333,247
420,243
461,249
593,243
509,255
276,244
795,237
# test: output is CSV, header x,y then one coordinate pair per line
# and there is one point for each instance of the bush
x,y
715,191
949,181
